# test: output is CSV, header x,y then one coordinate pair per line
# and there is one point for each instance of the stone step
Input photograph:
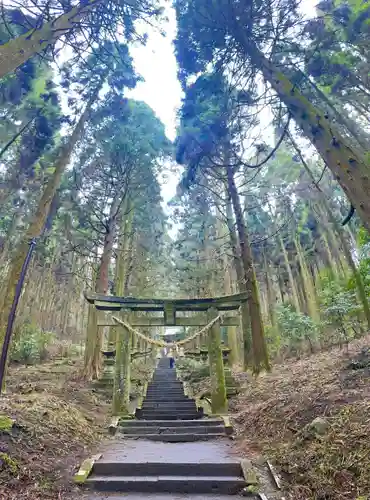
x,y
163,496
169,404
164,397
170,408
161,388
165,387
168,394
111,467
174,437
146,415
167,400
171,423
163,429
167,382
230,485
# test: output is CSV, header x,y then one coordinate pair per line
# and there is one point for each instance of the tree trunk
x,y
102,281
223,232
270,295
245,321
260,355
9,237
121,336
327,218
341,117
308,283
36,226
291,278
18,50
346,164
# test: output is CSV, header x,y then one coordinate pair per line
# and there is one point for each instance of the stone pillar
x,y
197,342
216,366
122,372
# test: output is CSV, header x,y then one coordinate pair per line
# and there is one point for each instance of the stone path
x,y
170,452
160,496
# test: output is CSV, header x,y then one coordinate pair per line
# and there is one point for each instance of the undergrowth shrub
x,y
31,345
296,330
340,311
192,370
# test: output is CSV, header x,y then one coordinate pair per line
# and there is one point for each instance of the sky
x,y
156,63
161,90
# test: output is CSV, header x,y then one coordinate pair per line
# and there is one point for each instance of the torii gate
x,y
211,312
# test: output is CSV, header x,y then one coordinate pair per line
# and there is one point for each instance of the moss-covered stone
x,y
84,471
6,423
249,473
9,463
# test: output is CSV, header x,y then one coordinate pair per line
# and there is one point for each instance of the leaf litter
x,y
58,419
274,413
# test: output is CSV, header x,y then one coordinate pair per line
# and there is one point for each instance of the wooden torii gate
x,y
173,312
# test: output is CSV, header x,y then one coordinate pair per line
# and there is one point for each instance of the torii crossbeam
x,y
169,308
210,312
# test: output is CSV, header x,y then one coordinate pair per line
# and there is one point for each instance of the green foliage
x,y
275,341
363,238
364,265
192,370
31,344
297,328
196,242
339,307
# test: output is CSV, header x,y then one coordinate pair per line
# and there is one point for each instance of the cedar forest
x,y
272,157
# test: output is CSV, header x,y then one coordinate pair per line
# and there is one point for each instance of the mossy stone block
x,y
6,423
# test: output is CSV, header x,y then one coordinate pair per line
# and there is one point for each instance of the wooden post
x,y
122,373
216,366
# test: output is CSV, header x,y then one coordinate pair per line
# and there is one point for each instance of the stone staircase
x,y
168,415
170,477
178,461
165,398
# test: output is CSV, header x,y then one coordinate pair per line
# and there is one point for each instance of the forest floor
x,y
273,413
59,419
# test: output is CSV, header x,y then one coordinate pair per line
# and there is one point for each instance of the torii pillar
x,y
216,366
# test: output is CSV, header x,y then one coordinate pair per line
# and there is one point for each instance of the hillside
x,y
272,413
57,421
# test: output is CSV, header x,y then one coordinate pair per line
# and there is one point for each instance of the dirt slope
x,y
272,414
58,420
